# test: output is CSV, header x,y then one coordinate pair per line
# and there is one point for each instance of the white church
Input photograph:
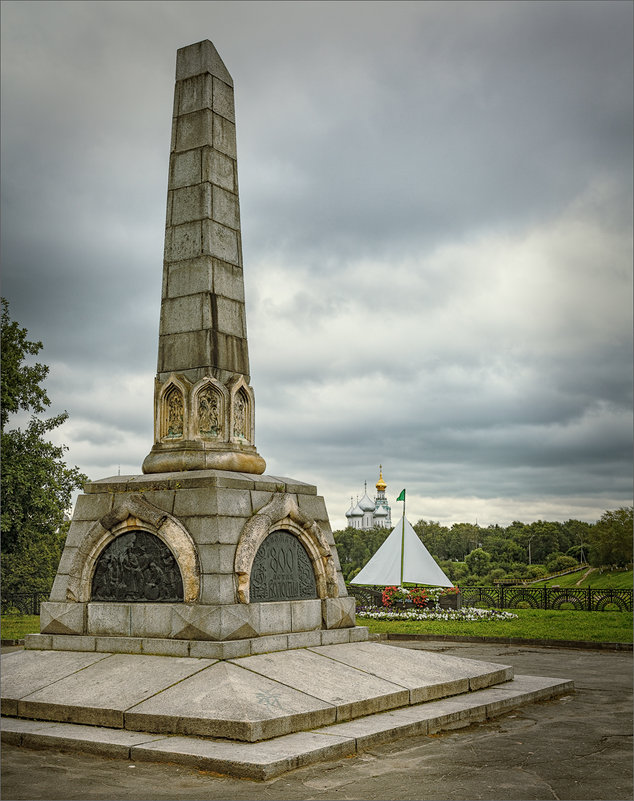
x,y
368,513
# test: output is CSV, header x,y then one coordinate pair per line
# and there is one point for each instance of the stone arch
x,y
209,410
282,513
241,418
173,410
134,513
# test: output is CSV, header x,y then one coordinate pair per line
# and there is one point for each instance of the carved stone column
x,y
204,407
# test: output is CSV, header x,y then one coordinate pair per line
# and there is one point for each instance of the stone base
x,y
166,458
227,649
269,758
306,704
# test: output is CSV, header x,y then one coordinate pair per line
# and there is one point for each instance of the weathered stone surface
x,y
275,617
225,700
92,507
265,645
23,673
305,615
335,636
62,618
100,693
426,675
69,642
338,612
151,620
108,619
354,692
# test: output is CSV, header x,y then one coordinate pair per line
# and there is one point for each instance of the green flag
x,y
401,497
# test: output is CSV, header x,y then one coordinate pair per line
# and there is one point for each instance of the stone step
x,y
249,699
270,758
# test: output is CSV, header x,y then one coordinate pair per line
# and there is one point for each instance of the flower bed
x,y
466,613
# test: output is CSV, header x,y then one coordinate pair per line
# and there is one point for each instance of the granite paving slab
x,y
353,692
226,700
100,693
25,672
269,758
427,675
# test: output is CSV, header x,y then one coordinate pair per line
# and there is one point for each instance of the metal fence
x,y
23,603
582,598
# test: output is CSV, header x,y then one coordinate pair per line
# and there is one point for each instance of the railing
x,y
23,603
547,577
582,598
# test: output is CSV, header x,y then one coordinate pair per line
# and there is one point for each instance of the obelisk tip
x,y
200,58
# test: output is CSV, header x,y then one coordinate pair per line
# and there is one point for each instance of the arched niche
x,y
282,570
241,420
136,566
173,410
209,404
134,514
283,514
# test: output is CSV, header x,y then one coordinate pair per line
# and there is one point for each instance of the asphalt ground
x,y
575,747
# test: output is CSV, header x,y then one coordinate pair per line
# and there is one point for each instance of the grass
x,y
609,579
14,627
541,624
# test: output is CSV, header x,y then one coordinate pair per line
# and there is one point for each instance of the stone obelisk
x,y
203,404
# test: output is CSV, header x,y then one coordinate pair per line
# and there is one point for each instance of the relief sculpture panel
x,y
282,570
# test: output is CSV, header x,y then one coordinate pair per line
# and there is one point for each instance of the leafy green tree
x,y
611,541
37,485
478,562
557,561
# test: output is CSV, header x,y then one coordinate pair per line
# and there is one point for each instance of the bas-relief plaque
x,y
282,570
137,567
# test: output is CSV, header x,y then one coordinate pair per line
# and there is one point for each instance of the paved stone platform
x,y
248,699
270,758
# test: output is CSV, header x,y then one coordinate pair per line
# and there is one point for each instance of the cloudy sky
x,y
436,206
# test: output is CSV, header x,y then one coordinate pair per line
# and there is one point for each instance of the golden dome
x,y
380,484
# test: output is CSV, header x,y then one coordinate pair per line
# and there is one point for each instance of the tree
x,y
611,540
478,562
37,485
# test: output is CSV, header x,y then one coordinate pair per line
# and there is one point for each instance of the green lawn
x,y
609,579
543,624
14,627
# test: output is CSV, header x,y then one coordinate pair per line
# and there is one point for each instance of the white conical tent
x,y
419,567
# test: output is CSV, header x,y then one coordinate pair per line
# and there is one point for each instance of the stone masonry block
x,y
109,619
196,502
150,620
93,507
224,136
183,241
198,58
119,645
239,621
214,530
175,350
181,314
162,499
335,636
65,563
226,209
275,617
195,130
231,317
234,353
36,642
217,558
228,280
218,169
260,499
186,169
223,101
313,506
305,615
359,634
230,528
219,589
195,622
58,591
77,532
69,642
190,277
338,612
62,618
163,647
234,503
304,639
220,242
195,94
266,645
191,203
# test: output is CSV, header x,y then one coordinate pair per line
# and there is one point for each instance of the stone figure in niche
x,y
175,414
282,570
240,416
137,567
208,413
